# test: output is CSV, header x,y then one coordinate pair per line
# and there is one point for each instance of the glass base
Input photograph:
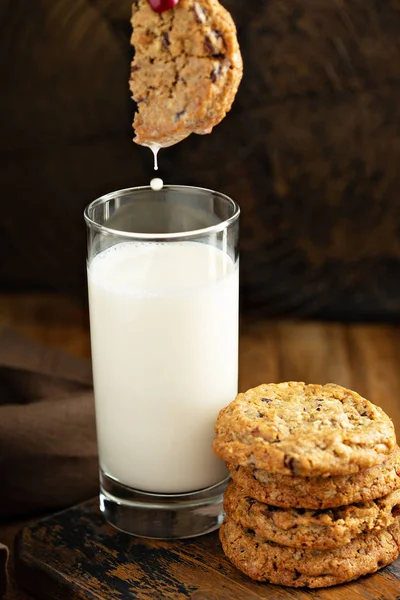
x,y
161,516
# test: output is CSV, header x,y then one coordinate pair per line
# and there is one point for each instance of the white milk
x,y
156,184
155,148
164,327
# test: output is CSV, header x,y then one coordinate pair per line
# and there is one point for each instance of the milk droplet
x,y
156,184
155,148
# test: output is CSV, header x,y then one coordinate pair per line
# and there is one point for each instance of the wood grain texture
x,y
50,319
75,555
310,150
364,358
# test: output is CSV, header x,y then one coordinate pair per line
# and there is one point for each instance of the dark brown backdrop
x,y
311,149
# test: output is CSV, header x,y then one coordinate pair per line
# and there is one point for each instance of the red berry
x,y
160,6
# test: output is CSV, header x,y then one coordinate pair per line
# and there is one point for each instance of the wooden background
x,y
311,149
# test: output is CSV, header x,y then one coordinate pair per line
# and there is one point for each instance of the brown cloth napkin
x,y
48,452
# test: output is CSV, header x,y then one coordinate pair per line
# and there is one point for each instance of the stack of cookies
x,y
314,499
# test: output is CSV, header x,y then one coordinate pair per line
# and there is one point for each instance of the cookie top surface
x,y
319,492
263,560
308,430
305,528
186,70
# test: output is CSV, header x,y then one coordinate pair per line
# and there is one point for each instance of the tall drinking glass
x,y
163,297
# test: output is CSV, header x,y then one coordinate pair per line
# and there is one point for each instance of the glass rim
x,y
195,233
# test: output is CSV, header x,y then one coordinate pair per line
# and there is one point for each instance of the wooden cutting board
x,y
76,555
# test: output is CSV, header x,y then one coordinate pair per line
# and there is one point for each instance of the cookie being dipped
x,y
186,70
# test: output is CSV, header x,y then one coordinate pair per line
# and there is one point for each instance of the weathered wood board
x,y
75,555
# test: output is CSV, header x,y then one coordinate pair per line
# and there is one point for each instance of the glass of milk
x,y
163,282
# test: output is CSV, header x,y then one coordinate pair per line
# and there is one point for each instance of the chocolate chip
x,y
319,403
289,463
208,45
266,400
250,502
135,68
166,40
381,563
216,73
179,115
396,510
251,531
296,574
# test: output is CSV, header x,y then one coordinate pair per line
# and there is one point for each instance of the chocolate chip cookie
x,y
304,528
266,561
307,430
320,492
186,70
